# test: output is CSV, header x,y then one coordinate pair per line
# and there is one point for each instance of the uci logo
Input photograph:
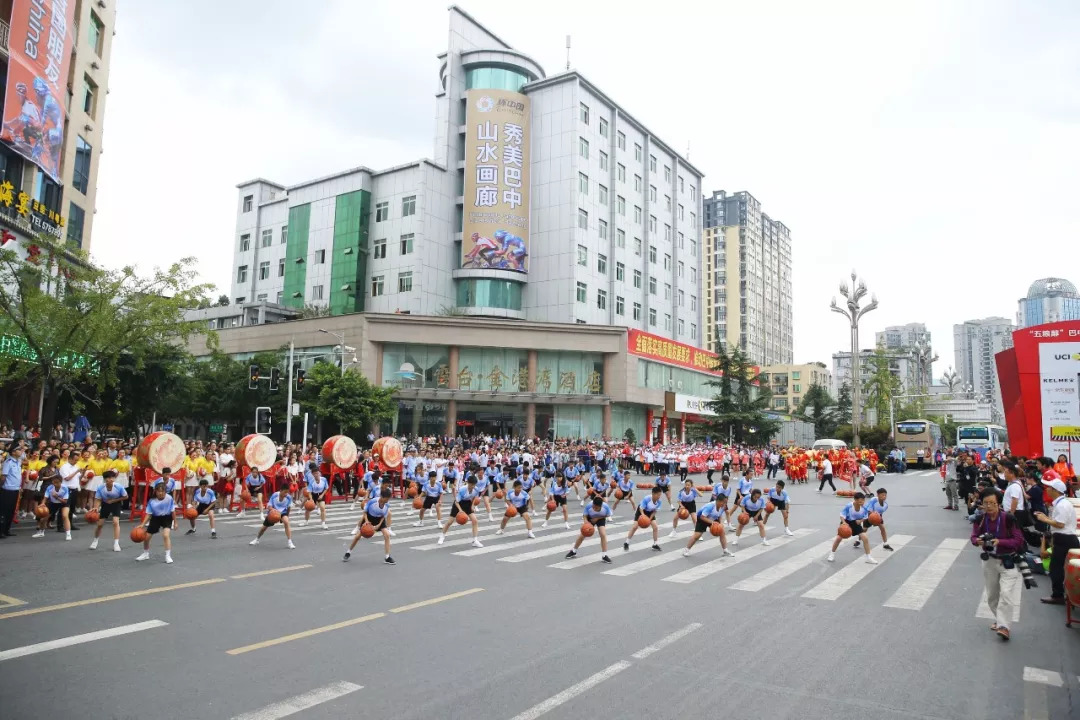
x,y
1068,356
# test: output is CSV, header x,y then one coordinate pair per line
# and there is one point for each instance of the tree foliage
x,y
818,406
348,400
881,385
740,404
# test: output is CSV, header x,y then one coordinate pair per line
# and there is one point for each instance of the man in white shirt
x,y
1015,503
1062,522
774,465
71,475
826,475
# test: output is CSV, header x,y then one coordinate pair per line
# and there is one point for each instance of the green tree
x,y
881,385
161,381
819,407
71,325
741,401
220,390
843,405
348,400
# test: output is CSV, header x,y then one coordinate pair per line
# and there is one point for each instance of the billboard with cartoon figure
x,y
496,214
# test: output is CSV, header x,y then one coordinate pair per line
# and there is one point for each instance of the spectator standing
x,y
10,482
1062,522
1001,579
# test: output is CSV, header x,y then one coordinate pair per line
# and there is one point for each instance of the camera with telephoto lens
x,y
987,540
1025,572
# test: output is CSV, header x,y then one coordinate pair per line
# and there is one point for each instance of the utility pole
x,y
853,295
288,401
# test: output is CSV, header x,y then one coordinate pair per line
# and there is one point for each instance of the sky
x,y
933,147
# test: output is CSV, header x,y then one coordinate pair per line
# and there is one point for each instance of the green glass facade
x,y
350,256
495,78
481,292
657,376
296,249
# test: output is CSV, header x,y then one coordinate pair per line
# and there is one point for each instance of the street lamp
x,y
341,339
925,357
851,310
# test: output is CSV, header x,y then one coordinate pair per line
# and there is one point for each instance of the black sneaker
x,y
887,548
213,535
857,543
626,546
656,547
347,556
571,554
389,560
190,532
605,559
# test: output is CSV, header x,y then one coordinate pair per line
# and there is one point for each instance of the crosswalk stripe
x,y
491,548
920,585
79,639
844,579
302,702
714,566
544,552
1045,677
781,570
587,560
984,606
465,540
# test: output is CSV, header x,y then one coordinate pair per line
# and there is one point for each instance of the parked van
x,y
829,445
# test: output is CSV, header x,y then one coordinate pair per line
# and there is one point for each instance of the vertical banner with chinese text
x,y
495,234
40,42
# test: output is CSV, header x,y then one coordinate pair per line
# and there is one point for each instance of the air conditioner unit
x,y
95,65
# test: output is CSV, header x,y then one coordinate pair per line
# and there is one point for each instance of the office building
x,y
789,383
747,263
975,343
544,201
902,364
1048,300
913,339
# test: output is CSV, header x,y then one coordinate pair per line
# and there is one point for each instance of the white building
x,y
975,343
611,232
896,337
1048,300
901,364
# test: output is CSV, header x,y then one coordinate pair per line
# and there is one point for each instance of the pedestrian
x,y
56,500
663,483
255,484
109,501
687,501
11,479
1062,522
159,518
557,494
879,505
998,535
826,475
316,488
521,502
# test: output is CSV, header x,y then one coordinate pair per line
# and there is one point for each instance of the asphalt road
x,y
231,630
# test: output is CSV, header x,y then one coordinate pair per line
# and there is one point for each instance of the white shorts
x,y
121,480
94,483
192,481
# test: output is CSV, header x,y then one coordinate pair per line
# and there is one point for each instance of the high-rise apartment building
x,y
913,339
975,343
62,211
1048,300
544,201
747,264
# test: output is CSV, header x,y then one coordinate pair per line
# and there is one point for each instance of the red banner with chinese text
x,y
655,347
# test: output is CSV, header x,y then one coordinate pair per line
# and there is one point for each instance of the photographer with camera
x,y
1062,522
998,536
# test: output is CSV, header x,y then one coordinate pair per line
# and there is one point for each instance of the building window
x,y
693,221
281,267
652,254
239,301
408,206
601,299
652,285
682,268
583,183
652,193
693,193
637,183
693,275
620,271
279,297
681,209
637,152
667,322
680,183
582,219
795,375
583,148
603,127
95,33
682,240
693,331
796,388
652,317
693,302
637,279
637,311
620,238
652,163
601,264
320,257
682,298
284,234
603,229
620,205
380,248
267,238
81,169
620,140
316,292
584,113
264,270
404,281
667,203
603,160
241,274
667,174
245,242
382,211
89,97
261,297
620,305
667,291
582,292
682,326
620,173
667,261
637,215
377,282
248,202
582,256
603,195
637,246
407,243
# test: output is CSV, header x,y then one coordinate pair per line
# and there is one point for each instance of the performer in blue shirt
x,y
518,502
687,502
556,499
317,487
778,498
853,515
664,483
159,517
711,514
255,484
204,499
377,514
56,500
624,490
595,514
463,503
721,493
108,502
280,501
647,508
879,505
432,492
754,507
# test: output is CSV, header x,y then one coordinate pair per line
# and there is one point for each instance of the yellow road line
x,y
304,634
434,601
275,571
109,598
8,601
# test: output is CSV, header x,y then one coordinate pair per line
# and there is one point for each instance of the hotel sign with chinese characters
x,y
20,212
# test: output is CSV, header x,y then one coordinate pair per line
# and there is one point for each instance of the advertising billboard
x,y
39,42
495,233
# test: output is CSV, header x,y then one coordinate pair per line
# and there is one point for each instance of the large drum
x,y
1072,581
340,451
387,452
161,450
256,451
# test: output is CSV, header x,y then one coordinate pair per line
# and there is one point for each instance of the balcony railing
x,y
5,31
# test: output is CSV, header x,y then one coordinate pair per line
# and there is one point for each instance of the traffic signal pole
x,y
288,401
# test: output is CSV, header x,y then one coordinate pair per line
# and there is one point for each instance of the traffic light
x,y
253,377
299,375
275,377
262,420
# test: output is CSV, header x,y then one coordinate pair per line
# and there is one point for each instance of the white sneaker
x,y
787,531
730,527
832,557
490,518
583,501
871,560
303,523
441,539
686,552
673,533
531,536
93,544
391,531
567,526
543,524
418,523
291,545
116,546
728,553
239,514
476,543
67,535
254,542
765,541
735,541
324,526
168,558
499,531
145,556
39,533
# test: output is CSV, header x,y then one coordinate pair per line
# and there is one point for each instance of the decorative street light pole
x,y
926,357
854,313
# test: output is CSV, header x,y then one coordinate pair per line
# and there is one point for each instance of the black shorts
x,y
702,526
754,516
523,510
319,497
500,485
431,501
856,527
267,523
690,505
465,506
549,474
638,513
598,522
109,510
560,500
203,507
158,522
55,508
373,520
664,488
779,504
627,494
486,492
257,490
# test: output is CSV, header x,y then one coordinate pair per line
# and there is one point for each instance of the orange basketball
x,y
844,531
245,496
461,517
92,516
361,493
32,475
612,482
716,528
309,505
619,494
590,492
644,521
191,513
769,507
683,513
587,529
744,518
42,511
418,503
307,493
499,494
874,518
273,517
511,511
412,491
551,505
138,534
367,530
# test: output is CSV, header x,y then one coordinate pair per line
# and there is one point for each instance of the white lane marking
x,y
984,606
714,566
301,702
920,585
569,693
665,641
499,547
1046,677
844,579
467,539
79,639
589,559
778,572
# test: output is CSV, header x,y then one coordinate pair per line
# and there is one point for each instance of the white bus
x,y
919,439
981,437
